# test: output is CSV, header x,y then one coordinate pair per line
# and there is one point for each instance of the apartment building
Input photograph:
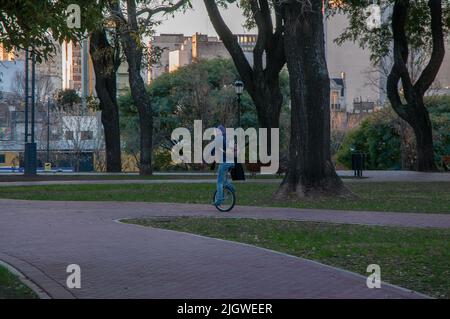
x,y
178,50
165,44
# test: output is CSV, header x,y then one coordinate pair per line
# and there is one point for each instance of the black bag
x,y
237,172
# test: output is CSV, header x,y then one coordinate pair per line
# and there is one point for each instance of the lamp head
x,y
239,87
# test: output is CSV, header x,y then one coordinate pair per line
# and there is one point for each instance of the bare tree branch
x,y
162,9
230,43
437,56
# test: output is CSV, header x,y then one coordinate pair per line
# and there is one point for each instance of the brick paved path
x,y
127,261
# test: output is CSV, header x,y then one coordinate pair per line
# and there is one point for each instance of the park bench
x,y
254,168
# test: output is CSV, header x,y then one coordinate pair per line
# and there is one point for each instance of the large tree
x,y
413,110
136,19
407,26
310,170
106,60
261,79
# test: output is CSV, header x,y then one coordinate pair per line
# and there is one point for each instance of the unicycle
x,y
229,199
229,196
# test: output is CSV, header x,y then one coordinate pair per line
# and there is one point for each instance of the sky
x,y
197,20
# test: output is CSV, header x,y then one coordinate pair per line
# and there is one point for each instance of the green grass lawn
x,y
12,288
413,258
5,178
96,177
387,196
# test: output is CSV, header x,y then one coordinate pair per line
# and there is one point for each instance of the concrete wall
x,y
443,77
342,121
204,47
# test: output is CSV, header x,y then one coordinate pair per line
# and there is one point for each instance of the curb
x,y
26,281
47,287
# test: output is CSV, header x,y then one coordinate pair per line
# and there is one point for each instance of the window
x,y
2,158
87,135
335,105
3,118
68,135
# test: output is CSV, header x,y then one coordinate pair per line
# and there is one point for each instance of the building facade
x,y
69,141
178,50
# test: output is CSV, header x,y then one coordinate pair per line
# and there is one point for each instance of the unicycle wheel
x,y
229,200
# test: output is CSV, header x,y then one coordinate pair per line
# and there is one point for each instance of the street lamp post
x,y
239,89
30,147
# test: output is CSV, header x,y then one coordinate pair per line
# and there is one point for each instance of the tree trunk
x,y
142,102
416,115
103,60
407,145
134,54
310,170
424,139
268,100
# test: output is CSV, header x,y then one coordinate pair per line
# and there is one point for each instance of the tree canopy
x,y
378,39
404,27
200,91
37,24
379,136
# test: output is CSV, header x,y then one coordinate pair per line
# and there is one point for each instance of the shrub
x,y
378,136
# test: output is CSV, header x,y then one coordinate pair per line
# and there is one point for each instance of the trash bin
x,y
48,167
358,163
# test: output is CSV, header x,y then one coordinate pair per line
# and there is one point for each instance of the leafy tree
x,y
378,138
200,91
36,24
136,19
262,79
129,125
439,109
68,98
409,26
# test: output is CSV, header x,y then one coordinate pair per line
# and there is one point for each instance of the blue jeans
x,y
221,179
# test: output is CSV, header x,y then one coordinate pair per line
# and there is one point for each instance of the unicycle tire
x,y
228,202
